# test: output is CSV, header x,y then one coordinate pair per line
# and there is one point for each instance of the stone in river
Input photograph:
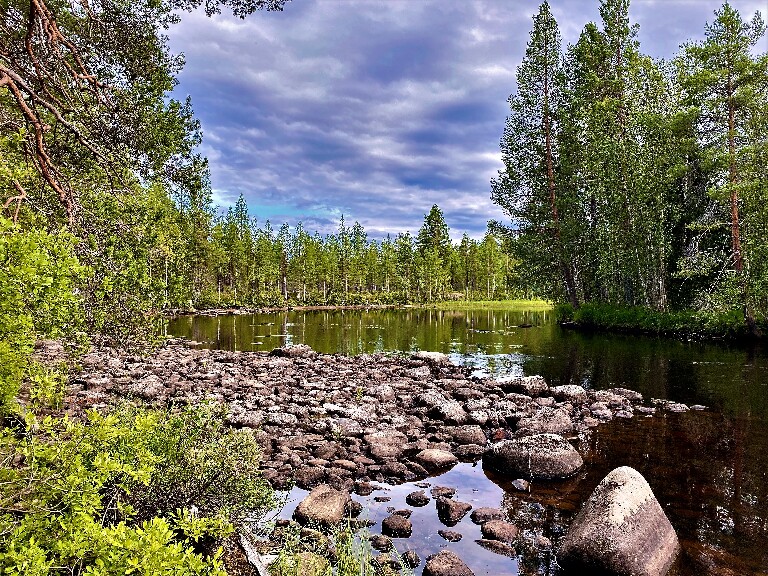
x,y
483,515
621,530
542,456
396,526
450,512
499,530
324,506
417,499
446,563
434,460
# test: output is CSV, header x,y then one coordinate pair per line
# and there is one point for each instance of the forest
x,y
635,182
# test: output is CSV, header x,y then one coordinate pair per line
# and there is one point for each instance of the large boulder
x,y
542,456
528,385
446,563
569,393
323,506
621,530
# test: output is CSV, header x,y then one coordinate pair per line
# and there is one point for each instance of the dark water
x,y
708,469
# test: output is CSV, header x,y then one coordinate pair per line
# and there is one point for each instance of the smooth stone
x,y
433,459
396,526
482,515
621,530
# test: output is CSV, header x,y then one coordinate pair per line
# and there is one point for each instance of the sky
x,y
378,109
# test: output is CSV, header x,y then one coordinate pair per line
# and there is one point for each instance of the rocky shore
x,y
341,425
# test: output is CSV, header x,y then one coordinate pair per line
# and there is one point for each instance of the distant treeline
x,y
230,260
639,182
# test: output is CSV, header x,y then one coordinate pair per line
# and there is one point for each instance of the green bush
x,y
38,274
96,497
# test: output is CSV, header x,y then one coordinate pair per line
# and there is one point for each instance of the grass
x,y
686,323
492,305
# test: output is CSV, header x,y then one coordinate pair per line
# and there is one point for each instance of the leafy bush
x,y
81,497
38,273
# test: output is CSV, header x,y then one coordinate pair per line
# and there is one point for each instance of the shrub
x,y
95,497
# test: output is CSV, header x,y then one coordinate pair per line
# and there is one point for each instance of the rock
x,y
411,559
443,491
450,412
497,547
450,535
543,543
471,434
621,530
630,395
434,460
386,445
149,388
469,452
521,485
547,421
450,512
417,499
432,357
296,351
446,563
404,513
543,456
309,476
499,530
483,515
396,526
380,542
569,393
324,506
308,564
528,385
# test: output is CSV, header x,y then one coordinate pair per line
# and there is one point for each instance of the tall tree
x,y
527,189
729,86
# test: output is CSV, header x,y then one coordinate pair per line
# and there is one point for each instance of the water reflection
x,y
708,469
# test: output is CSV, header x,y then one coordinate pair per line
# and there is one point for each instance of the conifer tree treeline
x,y
232,260
637,182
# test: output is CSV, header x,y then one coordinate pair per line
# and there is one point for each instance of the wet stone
x,y
450,535
484,514
521,485
417,499
446,563
411,559
499,530
443,491
396,526
450,512
380,542
497,547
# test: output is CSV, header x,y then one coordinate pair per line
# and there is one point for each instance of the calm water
x,y
708,469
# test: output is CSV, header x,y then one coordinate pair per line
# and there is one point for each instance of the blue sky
x,y
378,109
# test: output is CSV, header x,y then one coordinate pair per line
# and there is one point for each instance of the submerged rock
x,y
621,530
542,456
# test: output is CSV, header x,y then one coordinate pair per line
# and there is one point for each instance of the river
x,y
709,469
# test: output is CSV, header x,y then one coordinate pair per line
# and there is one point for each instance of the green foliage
x,y
38,276
687,323
76,495
637,183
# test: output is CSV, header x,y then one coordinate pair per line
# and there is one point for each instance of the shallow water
x,y
708,469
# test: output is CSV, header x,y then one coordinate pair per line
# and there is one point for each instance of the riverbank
x,y
444,305
357,424
683,324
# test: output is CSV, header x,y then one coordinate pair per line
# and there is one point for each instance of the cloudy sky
x,y
378,109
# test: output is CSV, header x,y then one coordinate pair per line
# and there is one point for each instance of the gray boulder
x,y
528,385
450,512
323,506
621,530
569,393
542,456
